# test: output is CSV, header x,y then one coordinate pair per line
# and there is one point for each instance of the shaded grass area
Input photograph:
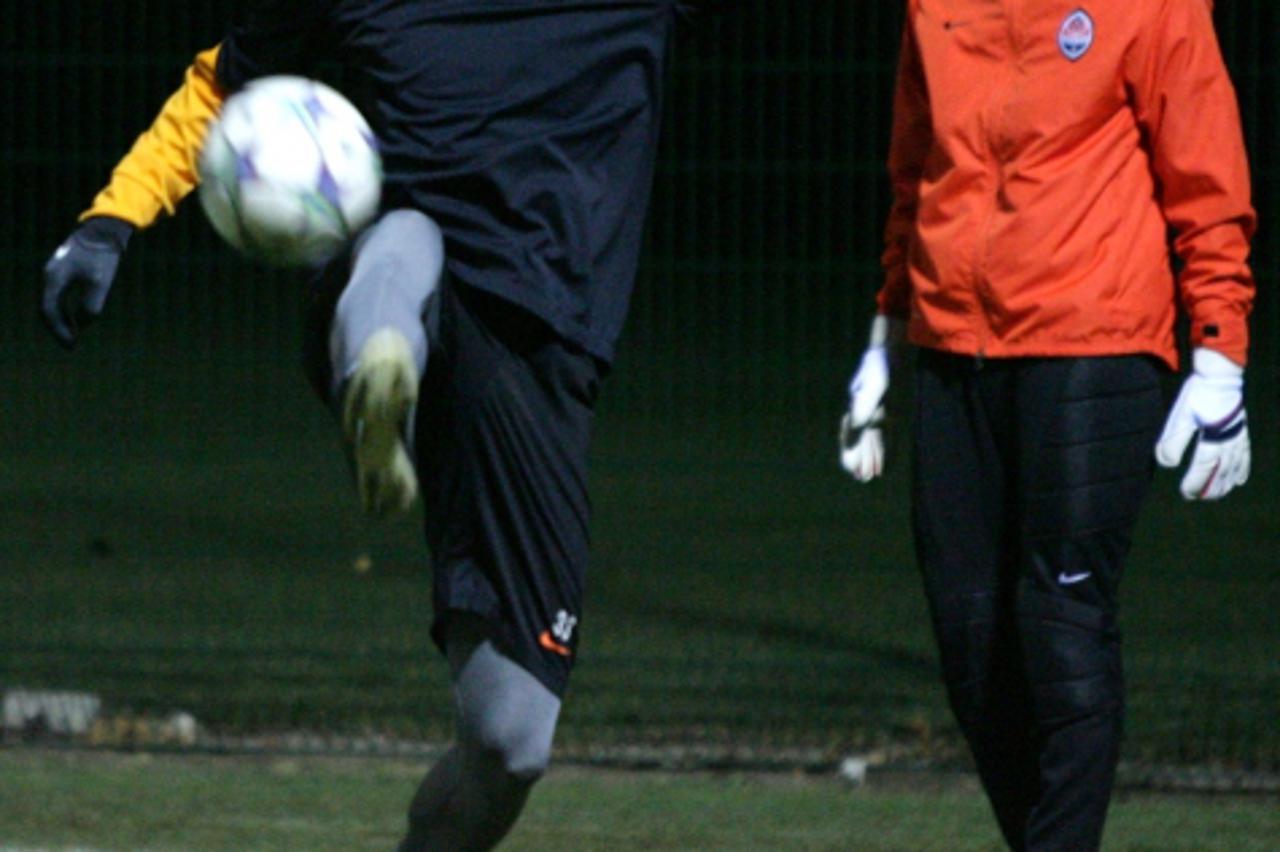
x,y
201,551
136,802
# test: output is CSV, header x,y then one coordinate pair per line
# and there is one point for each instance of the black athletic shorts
x,y
503,433
502,436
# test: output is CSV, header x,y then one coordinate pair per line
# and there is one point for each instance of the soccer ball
x,y
289,171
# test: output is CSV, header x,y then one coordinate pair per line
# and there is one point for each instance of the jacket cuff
x,y
107,231
1228,336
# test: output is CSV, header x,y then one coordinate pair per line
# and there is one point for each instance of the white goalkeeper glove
x,y
1210,406
861,431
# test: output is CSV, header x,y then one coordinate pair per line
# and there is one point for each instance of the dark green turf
x,y
189,540
131,802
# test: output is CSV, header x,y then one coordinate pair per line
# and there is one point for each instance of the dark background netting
x,y
177,531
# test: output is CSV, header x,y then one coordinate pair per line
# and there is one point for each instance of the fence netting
x,y
181,561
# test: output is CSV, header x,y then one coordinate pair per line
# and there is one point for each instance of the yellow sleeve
x,y
160,170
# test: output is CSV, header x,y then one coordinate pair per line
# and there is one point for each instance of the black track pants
x,y
1028,480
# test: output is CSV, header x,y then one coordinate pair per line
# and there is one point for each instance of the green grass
x,y
151,802
744,594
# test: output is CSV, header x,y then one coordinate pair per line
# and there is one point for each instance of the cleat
x,y
377,404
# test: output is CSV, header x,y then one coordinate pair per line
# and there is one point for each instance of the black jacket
x,y
526,128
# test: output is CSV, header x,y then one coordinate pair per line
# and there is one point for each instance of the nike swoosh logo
x,y
548,643
1066,579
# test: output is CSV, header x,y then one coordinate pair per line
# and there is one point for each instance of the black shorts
x,y
502,436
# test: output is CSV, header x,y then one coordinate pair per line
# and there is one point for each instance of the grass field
x,y
61,800
745,596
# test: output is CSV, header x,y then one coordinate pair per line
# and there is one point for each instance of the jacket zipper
x,y
995,164
948,24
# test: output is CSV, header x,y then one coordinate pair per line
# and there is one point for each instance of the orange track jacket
x,y
1043,153
160,170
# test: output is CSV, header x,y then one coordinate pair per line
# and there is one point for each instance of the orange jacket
x,y
1043,152
160,169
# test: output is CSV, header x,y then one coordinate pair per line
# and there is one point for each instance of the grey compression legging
x,y
506,720
506,717
395,273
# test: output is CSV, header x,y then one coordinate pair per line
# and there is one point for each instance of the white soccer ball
x,y
290,171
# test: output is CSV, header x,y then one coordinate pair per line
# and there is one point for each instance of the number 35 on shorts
x,y
557,638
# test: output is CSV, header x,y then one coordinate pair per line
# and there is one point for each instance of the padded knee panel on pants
x,y
978,654
1072,654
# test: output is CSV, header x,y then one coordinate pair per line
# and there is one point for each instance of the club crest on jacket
x,y
1075,36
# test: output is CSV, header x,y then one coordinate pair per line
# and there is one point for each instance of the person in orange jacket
x,y
1042,155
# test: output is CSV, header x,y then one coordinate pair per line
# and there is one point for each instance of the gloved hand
x,y
77,279
861,433
1210,406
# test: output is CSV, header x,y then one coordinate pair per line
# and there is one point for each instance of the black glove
x,y
77,279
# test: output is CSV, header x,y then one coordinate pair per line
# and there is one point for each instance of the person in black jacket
x,y
464,336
